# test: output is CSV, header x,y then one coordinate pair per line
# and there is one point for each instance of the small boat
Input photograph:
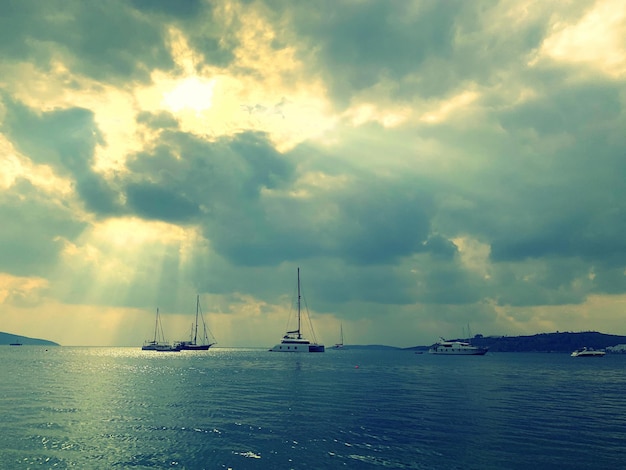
x,y
587,352
17,342
192,344
293,341
339,345
456,348
158,343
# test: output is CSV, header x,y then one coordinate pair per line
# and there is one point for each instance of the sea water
x,y
119,408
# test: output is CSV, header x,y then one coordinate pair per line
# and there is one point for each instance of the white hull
x,y
477,352
587,353
298,347
456,348
161,347
158,343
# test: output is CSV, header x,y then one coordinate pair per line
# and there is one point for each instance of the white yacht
x,y
456,348
293,341
584,352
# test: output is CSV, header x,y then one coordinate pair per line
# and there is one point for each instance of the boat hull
x,y
456,348
298,348
476,352
588,353
194,347
159,347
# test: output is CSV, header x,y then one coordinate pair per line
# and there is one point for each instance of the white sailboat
x,y
294,341
192,344
158,343
339,345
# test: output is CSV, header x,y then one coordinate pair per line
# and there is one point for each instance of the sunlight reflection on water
x,y
123,407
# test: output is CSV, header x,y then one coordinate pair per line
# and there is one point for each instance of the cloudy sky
x,y
429,165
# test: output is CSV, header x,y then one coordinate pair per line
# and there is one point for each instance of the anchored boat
x,y
158,343
584,352
193,344
294,341
456,348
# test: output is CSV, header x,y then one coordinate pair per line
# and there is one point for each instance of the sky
x,y
434,168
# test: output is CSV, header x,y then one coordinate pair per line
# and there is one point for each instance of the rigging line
x,y
204,325
310,322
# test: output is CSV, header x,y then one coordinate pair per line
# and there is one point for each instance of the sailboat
x,y
158,343
192,344
339,345
293,341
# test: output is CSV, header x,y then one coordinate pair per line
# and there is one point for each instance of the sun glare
x,y
130,232
191,93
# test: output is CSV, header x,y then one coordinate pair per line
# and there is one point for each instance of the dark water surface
x,y
100,408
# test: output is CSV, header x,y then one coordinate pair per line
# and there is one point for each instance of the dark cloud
x,y
360,43
212,38
428,49
157,121
33,228
101,40
154,202
181,8
566,109
22,27
66,140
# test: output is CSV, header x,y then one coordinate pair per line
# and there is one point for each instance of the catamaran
x,y
293,341
192,344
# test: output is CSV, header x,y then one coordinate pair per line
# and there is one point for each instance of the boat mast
x,y
195,334
156,325
299,335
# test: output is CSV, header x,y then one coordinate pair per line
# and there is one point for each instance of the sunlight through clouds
x,y
14,167
190,93
474,255
119,255
598,39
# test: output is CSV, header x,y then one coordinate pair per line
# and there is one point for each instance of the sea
x,y
123,408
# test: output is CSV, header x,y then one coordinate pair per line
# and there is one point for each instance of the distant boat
x,y
17,342
158,343
293,341
456,348
584,352
192,344
339,345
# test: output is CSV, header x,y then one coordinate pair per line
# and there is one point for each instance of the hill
x,y
369,346
547,342
8,338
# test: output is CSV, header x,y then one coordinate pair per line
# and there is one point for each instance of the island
x,y
13,339
558,342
